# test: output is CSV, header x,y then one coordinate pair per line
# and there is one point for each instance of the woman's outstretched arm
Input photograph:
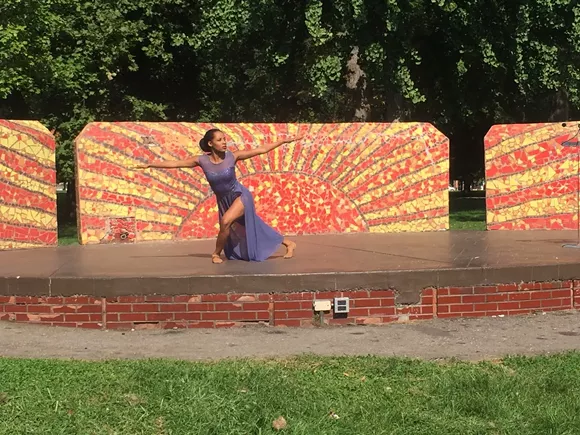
x,y
248,154
189,163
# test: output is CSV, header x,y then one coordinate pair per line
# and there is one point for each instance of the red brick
x,y
302,314
228,306
77,318
279,297
130,299
359,312
550,285
27,300
4,299
426,300
78,300
118,308
554,302
507,287
327,295
237,297
286,322
280,315
519,296
444,291
535,304
498,297
21,317
304,296
159,317
485,290
411,309
40,309
384,311
285,306
447,300
131,317
485,307
182,298
387,302
460,290
256,306
214,316
508,306
160,299
562,293
475,314
264,297
145,308
427,309
362,303
55,300
174,308
65,309
244,315
473,299
263,316
428,292
95,308
442,309
11,308
461,308
214,298
544,294
4,316
531,286
200,307
188,316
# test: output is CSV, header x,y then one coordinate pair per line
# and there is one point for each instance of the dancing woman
x,y
243,235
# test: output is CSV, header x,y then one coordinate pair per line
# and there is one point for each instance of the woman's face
x,y
218,143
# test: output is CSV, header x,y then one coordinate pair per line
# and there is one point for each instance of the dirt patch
x,y
466,339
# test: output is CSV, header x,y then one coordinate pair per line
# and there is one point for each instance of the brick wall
x,y
287,309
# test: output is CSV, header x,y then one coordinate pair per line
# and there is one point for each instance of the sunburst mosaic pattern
x,y
27,185
340,178
531,172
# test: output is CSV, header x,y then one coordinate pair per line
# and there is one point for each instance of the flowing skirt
x,y
251,239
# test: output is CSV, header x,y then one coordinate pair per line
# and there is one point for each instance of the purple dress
x,y
251,239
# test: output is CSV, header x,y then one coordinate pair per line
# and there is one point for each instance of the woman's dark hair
x,y
204,142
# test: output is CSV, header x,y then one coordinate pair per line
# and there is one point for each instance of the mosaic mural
x,y
531,176
340,178
27,185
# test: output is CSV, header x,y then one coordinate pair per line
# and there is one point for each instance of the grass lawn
x,y
467,211
370,395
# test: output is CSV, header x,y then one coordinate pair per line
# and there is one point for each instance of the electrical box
x,y
341,305
322,305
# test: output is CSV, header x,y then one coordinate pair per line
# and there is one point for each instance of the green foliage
x,y
461,65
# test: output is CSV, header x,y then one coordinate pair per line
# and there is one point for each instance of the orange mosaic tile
x,y
27,185
371,177
531,173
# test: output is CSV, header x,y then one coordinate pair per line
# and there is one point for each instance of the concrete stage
x,y
407,262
